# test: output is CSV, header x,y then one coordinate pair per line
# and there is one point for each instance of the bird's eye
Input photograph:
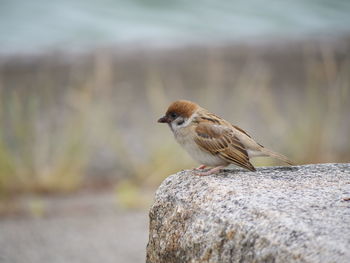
x,y
173,115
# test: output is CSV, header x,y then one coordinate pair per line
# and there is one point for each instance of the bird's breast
x,y
186,139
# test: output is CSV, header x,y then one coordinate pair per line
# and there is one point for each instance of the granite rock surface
x,y
276,214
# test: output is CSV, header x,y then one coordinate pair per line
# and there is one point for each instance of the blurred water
x,y
37,25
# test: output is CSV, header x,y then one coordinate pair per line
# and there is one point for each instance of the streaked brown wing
x,y
220,140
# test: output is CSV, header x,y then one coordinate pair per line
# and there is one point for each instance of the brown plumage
x,y
182,107
224,143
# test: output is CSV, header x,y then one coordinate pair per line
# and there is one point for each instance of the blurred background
x,y
82,84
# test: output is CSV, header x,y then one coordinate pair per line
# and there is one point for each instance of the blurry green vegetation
x,y
35,154
65,121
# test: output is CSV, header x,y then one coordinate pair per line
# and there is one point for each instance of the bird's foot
x,y
214,170
200,167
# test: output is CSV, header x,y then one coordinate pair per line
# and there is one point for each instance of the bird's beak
x,y
164,119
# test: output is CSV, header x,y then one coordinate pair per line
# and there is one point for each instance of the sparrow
x,y
211,140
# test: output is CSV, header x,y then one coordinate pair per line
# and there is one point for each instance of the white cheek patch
x,y
188,121
183,124
175,126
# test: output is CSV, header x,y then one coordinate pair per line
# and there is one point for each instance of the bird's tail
x,y
276,155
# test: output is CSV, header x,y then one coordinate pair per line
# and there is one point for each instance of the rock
x,y
276,214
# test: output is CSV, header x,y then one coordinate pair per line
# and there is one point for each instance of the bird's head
x,y
179,114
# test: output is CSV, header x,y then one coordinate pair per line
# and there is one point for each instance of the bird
x,y
212,141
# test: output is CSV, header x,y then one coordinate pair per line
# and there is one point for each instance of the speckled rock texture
x,y
276,214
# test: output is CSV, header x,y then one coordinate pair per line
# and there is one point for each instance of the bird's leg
x,y
200,167
214,170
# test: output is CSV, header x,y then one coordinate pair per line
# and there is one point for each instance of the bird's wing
x,y
220,140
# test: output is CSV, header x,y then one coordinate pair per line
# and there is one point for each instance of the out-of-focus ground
x,y
87,227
